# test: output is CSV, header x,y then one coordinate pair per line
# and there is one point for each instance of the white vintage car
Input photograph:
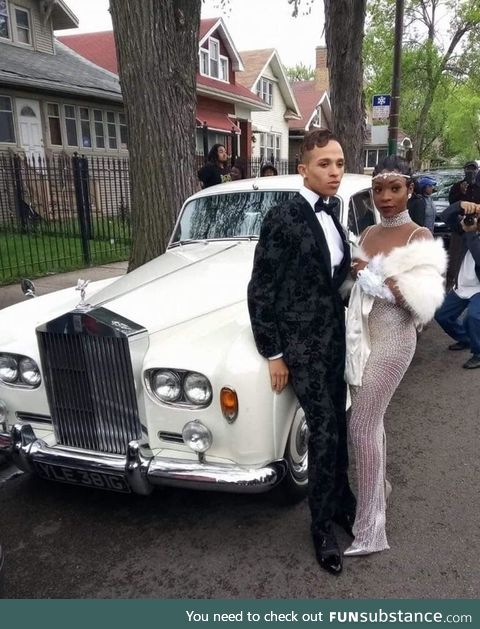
x,y
154,378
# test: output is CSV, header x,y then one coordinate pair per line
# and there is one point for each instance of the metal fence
x,y
65,212
62,213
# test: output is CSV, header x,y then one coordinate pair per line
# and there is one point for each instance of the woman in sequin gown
x,y
392,340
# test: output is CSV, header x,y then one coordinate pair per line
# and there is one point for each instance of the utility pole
x,y
397,70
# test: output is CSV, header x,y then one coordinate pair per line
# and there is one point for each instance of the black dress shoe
x,y
345,520
456,347
327,551
473,362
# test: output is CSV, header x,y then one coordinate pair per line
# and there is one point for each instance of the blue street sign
x,y
381,100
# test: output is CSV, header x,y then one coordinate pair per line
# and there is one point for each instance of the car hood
x,y
186,282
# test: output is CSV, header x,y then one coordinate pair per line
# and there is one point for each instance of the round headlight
x,y
8,368
29,372
197,389
166,385
197,436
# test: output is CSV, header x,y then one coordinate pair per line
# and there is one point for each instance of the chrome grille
x,y
90,388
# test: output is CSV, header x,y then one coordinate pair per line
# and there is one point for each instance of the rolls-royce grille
x,y
91,391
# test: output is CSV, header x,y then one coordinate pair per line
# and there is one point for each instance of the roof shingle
x,y
64,72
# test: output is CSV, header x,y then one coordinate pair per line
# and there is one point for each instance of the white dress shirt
x,y
333,238
468,284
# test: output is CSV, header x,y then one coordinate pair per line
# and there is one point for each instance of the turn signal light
x,y
229,404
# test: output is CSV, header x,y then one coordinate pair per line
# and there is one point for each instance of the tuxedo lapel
x,y
342,270
318,233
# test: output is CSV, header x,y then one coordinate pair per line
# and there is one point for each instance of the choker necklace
x,y
395,221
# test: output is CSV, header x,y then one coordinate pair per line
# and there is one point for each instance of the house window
x,y
224,68
99,130
7,130
71,125
317,118
270,146
265,91
212,63
204,62
123,131
22,32
112,130
85,131
214,51
4,30
373,156
54,124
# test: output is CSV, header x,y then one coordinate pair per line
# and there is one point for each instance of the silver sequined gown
x,y
393,339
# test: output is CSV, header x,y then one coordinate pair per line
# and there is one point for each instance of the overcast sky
x,y
251,23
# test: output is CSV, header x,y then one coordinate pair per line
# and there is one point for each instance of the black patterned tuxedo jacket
x,y
292,279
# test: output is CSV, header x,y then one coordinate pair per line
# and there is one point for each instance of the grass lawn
x,y
45,250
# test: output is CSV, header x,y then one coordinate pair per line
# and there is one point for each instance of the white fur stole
x,y
418,269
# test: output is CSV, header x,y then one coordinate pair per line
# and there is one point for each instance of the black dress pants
x,y
315,356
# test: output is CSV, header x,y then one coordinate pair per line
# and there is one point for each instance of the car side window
x,y
361,213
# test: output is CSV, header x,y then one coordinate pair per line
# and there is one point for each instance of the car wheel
x,y
294,487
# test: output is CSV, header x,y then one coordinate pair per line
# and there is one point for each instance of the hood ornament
x,y
28,288
82,287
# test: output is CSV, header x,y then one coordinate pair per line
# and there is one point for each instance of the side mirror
x,y
28,287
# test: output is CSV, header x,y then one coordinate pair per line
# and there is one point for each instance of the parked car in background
x,y
154,377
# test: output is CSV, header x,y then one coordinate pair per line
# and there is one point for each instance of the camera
x,y
469,220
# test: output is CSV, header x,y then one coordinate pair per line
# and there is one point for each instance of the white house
x,y
264,75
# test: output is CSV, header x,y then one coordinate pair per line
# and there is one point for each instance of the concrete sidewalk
x,y
12,293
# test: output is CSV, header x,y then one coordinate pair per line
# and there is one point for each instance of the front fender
x,y
220,345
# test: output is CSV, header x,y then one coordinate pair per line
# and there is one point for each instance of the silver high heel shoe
x,y
356,552
388,490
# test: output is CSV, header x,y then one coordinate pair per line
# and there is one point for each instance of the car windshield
x,y
234,215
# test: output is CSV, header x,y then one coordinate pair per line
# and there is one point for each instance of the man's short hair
x,y
317,137
472,165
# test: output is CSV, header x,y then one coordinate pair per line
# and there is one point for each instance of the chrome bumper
x,y
140,469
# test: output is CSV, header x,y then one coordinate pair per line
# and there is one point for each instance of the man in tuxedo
x,y
297,317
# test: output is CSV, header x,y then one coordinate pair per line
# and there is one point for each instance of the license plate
x,y
62,474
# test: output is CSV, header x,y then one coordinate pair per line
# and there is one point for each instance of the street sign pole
x,y
397,68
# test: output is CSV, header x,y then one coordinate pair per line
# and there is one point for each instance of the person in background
x,y
216,169
238,170
468,189
416,205
268,170
462,218
426,185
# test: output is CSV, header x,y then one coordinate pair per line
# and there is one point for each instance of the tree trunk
x,y
344,30
157,49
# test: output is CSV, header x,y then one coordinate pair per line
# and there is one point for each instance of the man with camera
x,y
469,188
463,218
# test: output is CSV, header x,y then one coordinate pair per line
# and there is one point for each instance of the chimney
x,y
322,83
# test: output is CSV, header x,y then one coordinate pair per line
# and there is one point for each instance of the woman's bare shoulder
x,y
420,233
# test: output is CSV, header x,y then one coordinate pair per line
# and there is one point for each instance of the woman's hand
x,y
356,266
278,374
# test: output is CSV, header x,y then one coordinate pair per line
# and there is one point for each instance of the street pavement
x,y
186,544
12,293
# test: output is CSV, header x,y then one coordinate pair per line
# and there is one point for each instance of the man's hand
x,y
470,208
278,374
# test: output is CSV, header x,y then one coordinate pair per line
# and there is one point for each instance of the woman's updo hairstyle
x,y
394,163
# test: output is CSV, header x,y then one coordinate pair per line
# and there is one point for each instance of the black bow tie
x,y
323,206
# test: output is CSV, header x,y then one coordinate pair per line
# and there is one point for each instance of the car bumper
x,y
139,471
